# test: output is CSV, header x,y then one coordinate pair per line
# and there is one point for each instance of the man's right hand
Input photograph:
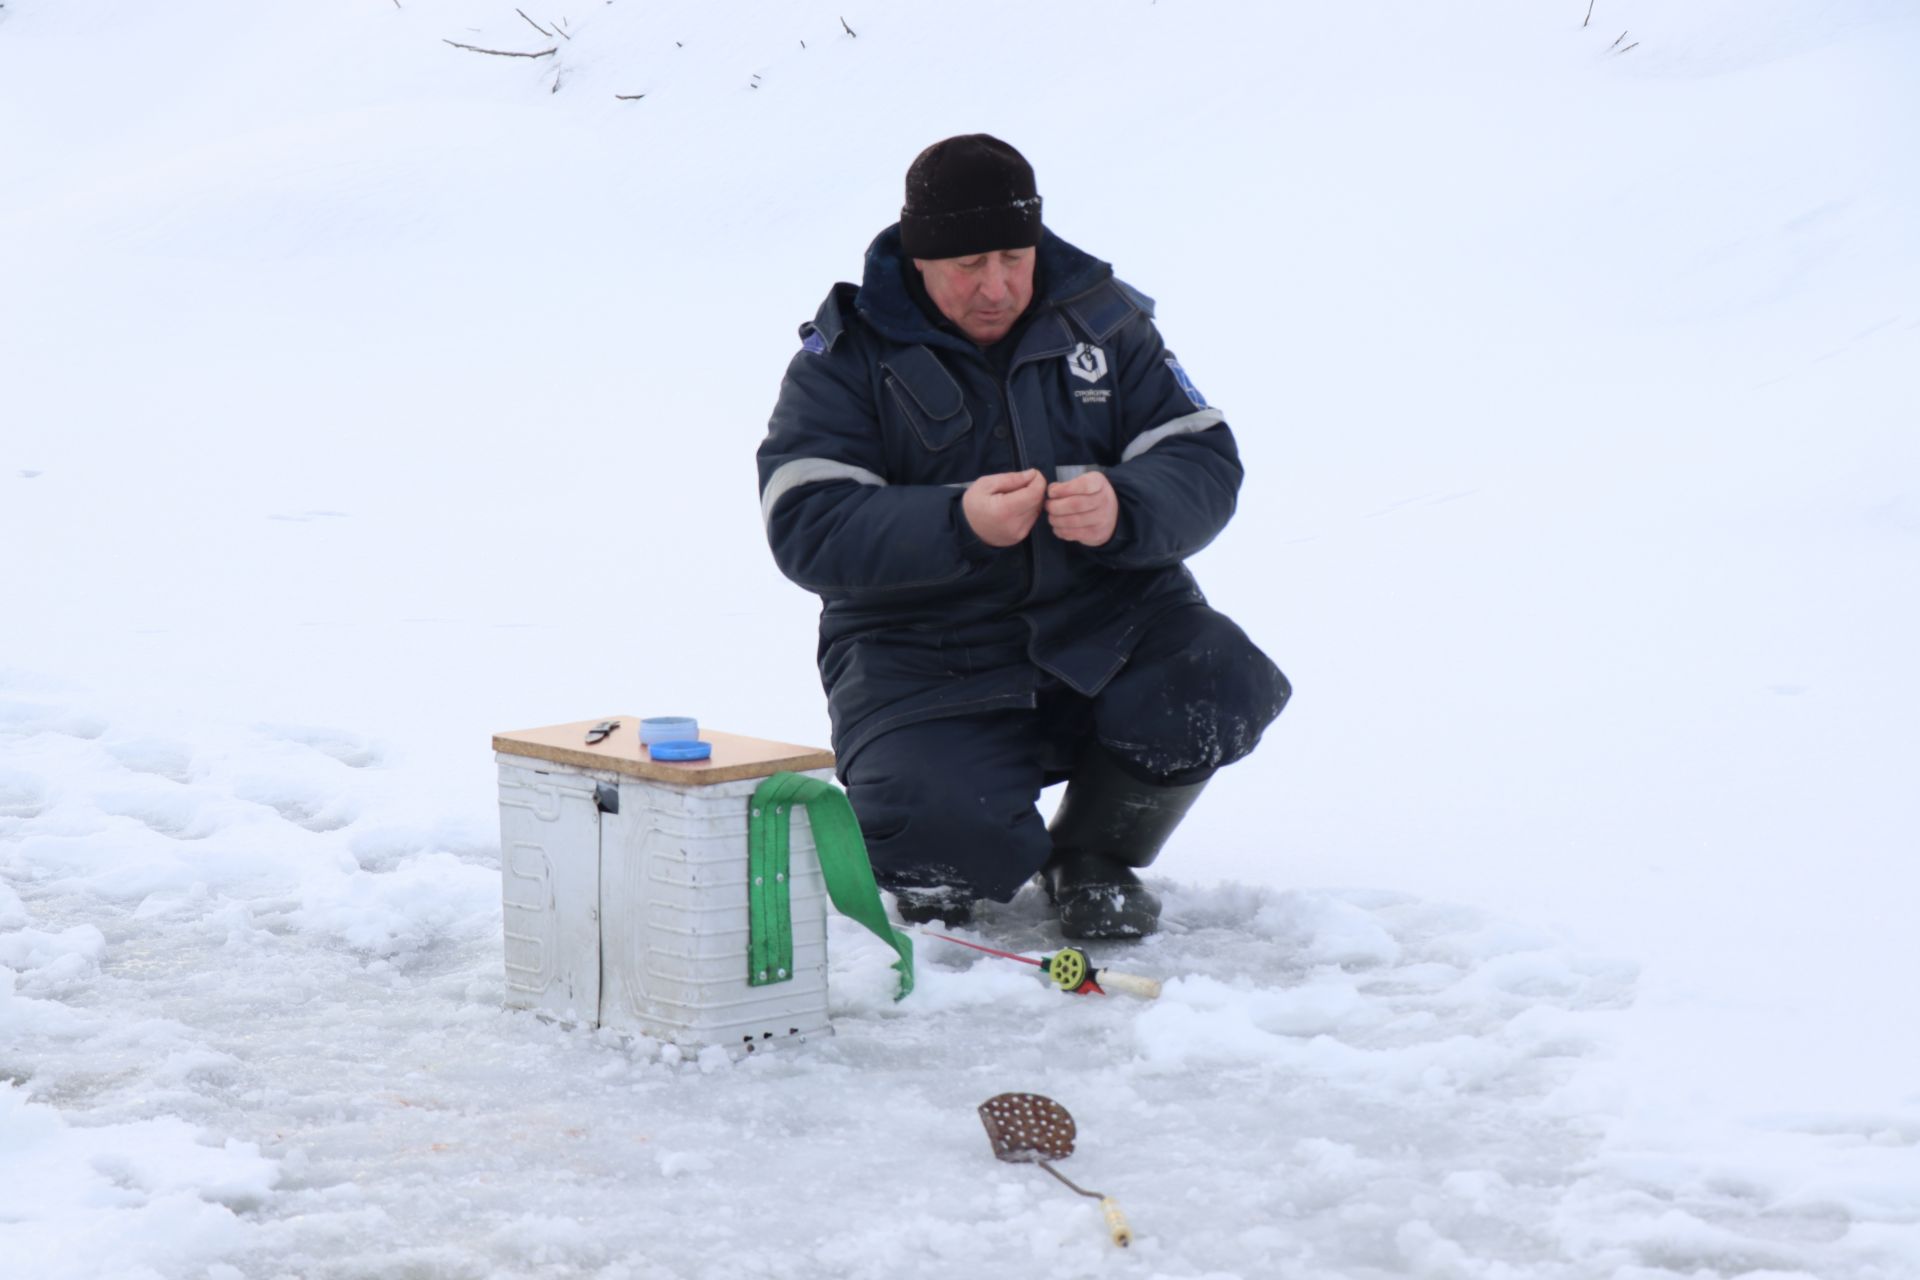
x,y
1002,508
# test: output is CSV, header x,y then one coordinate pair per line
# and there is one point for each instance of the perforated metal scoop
x,y
1026,1128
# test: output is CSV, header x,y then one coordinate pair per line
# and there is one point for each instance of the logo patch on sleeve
x,y
1186,383
1087,362
812,341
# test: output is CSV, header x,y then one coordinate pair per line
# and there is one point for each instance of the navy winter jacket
x,y
885,416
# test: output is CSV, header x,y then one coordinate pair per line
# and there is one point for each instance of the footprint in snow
x,y
22,795
157,756
178,815
384,848
311,809
350,749
25,719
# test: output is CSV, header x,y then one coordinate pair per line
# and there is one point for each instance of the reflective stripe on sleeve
x,y
791,475
1183,426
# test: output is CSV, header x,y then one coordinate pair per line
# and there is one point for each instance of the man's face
x,y
982,293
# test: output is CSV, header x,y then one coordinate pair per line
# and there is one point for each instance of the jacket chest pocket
x,y
928,397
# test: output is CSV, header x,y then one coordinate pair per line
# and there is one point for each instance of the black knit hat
x,y
966,195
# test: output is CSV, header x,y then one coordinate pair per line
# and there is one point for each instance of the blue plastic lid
x,y
680,749
668,729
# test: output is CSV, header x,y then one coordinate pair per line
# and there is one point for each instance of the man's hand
x,y
1085,509
1002,508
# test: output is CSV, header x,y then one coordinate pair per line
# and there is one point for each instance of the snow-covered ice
x,y
358,393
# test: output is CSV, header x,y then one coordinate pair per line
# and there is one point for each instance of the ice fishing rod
x,y
1068,968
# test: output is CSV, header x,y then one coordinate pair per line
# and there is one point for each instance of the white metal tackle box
x,y
624,883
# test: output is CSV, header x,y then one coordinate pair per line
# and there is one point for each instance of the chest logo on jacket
x,y
1087,362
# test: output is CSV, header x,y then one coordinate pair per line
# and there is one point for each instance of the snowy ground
x,y
357,397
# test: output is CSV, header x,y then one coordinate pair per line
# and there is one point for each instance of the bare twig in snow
x,y
536,26
501,53
1617,39
629,97
1634,45
1589,14
849,30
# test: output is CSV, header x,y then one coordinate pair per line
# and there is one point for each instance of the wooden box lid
x,y
734,757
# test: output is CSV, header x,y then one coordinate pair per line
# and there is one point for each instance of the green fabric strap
x,y
843,864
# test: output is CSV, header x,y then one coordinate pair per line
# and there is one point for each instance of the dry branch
x,y
1634,45
849,30
536,26
1589,13
629,97
500,53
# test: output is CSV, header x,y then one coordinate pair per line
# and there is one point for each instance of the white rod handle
x,y
1131,983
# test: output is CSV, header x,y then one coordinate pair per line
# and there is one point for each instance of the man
x,y
990,469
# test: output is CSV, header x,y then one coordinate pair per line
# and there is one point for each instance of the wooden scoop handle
x,y
1116,1222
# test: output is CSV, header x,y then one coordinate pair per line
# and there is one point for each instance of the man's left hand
x,y
1084,509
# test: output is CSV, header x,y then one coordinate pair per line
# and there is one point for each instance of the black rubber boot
x,y
1109,824
928,906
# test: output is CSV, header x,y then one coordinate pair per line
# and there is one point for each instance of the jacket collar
x,y
1061,274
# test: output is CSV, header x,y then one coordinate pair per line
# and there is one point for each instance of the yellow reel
x,y
1067,968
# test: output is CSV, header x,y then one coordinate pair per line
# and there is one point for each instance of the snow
x,y
358,393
